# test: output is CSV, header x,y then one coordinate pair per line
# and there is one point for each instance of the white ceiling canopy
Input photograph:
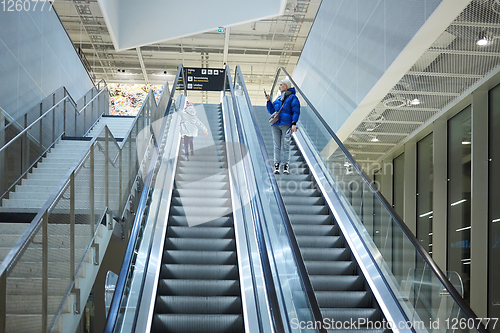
x,y
133,23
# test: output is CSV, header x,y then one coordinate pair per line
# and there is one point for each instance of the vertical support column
x,y
92,185
64,120
72,226
3,302
2,154
40,142
439,200
106,176
25,154
120,178
410,189
45,270
84,111
53,118
479,204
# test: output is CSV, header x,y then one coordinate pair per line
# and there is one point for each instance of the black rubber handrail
x,y
304,276
274,307
399,221
122,278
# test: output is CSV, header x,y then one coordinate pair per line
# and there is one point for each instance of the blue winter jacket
x,y
290,112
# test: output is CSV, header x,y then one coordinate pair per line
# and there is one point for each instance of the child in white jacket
x,y
189,127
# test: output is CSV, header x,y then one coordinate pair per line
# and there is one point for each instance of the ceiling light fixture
x,y
374,139
415,102
482,42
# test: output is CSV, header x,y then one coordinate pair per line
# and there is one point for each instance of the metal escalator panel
x,y
199,288
339,287
411,290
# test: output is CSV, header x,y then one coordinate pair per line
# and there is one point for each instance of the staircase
x,y
199,287
24,284
341,290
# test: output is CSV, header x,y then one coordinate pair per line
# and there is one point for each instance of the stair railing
x,y
40,128
92,192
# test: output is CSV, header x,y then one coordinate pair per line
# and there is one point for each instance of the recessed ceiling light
x,y
374,139
415,102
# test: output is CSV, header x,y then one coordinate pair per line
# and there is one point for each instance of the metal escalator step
x,y
201,184
202,164
198,304
297,200
343,299
296,178
198,257
332,254
199,244
199,287
307,210
315,230
200,272
201,170
309,192
201,193
346,314
320,242
224,221
200,210
187,323
308,219
200,232
337,282
207,158
196,177
200,201
331,267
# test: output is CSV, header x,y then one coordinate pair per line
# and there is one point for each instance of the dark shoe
x,y
276,168
192,153
286,171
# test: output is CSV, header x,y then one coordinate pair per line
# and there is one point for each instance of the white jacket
x,y
190,123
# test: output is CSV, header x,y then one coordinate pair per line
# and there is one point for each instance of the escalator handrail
x,y
122,277
261,243
304,277
407,232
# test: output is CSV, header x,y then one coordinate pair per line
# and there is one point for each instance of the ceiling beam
x,y
439,74
143,67
428,93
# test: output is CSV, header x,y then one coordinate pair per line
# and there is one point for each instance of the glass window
x,y
494,207
398,204
425,178
459,195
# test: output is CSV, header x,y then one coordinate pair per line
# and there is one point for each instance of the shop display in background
x,y
126,99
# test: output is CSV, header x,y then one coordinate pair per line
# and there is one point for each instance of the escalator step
x,y
346,314
200,211
297,200
326,254
197,257
291,191
200,272
200,232
315,230
198,304
307,210
201,201
343,299
187,323
320,242
337,282
199,287
308,219
225,221
330,267
199,244
201,193
201,184
196,177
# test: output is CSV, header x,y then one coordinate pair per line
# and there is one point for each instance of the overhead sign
x,y
204,79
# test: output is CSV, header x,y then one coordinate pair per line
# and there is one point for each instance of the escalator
x,y
199,287
340,288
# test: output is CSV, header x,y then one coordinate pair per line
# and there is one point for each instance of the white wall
x,y
36,58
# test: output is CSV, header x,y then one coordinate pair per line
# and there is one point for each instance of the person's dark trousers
x,y
188,141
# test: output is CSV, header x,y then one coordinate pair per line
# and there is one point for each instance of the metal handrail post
x,y
2,154
120,186
91,190
106,173
25,146
72,225
45,270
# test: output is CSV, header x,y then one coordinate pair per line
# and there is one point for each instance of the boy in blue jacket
x,y
286,124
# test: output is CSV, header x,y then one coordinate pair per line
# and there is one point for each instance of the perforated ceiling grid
x,y
454,63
